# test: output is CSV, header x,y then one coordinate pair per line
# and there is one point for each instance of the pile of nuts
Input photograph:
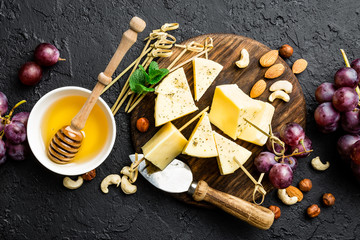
x,y
292,195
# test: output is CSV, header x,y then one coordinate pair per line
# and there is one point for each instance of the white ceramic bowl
x,y
37,143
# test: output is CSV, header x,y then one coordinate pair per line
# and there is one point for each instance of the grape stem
x,y
61,59
7,118
345,58
2,134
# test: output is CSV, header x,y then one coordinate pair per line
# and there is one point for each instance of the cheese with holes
x,y
262,120
227,151
229,107
205,72
201,142
164,146
174,99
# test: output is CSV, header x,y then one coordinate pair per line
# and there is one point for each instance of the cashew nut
x,y
318,165
279,94
109,180
71,184
126,186
132,175
244,59
281,85
285,198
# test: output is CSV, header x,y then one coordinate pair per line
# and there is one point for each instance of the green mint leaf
x,y
144,89
153,67
158,75
137,78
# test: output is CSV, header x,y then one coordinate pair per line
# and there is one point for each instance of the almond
x,y
299,66
258,89
269,58
294,191
275,71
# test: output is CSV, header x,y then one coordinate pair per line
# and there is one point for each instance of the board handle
x,y
129,37
251,213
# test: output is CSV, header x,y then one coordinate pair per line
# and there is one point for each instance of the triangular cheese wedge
x,y
205,72
174,99
227,151
201,142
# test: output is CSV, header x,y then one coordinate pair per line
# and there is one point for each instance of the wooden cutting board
x,y
226,51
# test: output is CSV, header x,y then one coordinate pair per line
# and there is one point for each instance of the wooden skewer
x,y
193,119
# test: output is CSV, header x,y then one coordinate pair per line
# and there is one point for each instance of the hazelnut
x,y
328,199
313,211
286,51
89,175
142,124
276,210
305,185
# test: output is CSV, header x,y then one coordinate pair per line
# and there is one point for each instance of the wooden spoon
x,y
67,141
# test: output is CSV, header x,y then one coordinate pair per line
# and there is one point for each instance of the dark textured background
x,y
34,203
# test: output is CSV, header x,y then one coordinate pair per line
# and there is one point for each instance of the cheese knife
x,y
178,178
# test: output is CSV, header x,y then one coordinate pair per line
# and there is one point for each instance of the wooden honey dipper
x,y
67,141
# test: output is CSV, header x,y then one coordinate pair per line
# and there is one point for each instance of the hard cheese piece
x,y
174,99
262,120
205,72
230,105
164,146
227,151
201,142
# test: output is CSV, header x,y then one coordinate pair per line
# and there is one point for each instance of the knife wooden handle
x,y
129,37
251,213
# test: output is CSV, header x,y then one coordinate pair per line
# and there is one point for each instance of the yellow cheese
x,y
227,151
201,142
262,120
174,99
164,146
205,72
230,105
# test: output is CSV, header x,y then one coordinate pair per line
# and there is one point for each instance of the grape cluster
x,y
280,161
13,142
339,107
45,55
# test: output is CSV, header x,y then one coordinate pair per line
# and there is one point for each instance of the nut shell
x,y
275,71
269,58
276,210
142,124
305,185
299,66
89,175
258,89
328,199
294,192
313,211
286,51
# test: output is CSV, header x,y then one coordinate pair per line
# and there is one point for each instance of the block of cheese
x,y
229,107
164,146
174,99
262,120
227,151
205,72
201,142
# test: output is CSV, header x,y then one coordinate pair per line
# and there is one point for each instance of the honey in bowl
x,y
60,114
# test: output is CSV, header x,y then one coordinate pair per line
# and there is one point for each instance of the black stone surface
x,y
33,202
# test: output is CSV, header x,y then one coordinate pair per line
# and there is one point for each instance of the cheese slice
x,y
201,142
205,72
229,108
174,99
262,120
227,151
164,146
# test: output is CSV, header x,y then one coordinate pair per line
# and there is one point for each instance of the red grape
x,y
17,152
308,145
292,162
346,77
326,115
355,152
2,125
356,65
30,73
345,99
277,146
281,175
2,148
21,117
264,162
46,54
325,92
15,132
292,133
344,145
329,129
350,121
3,160
3,104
